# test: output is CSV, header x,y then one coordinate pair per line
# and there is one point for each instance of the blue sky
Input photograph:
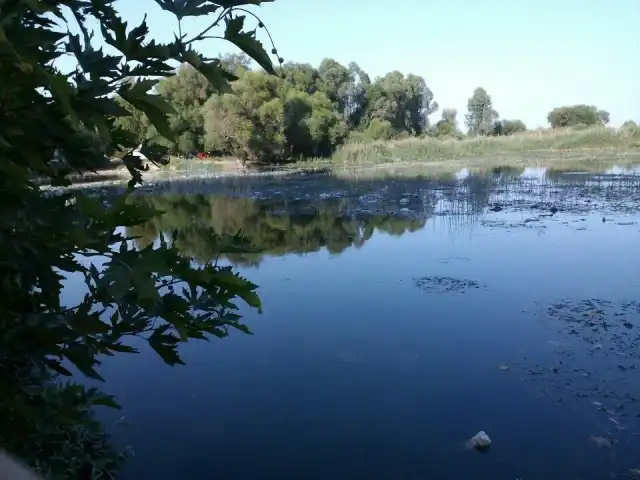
x,y
529,56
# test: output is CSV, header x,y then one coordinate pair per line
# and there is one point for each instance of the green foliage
x,y
53,123
404,102
270,119
604,116
481,116
509,127
447,126
380,130
576,114
306,112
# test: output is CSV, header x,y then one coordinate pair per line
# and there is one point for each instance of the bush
x,y
379,130
509,127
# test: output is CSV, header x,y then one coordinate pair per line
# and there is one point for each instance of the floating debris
x,y
601,442
479,441
634,474
438,284
511,225
603,333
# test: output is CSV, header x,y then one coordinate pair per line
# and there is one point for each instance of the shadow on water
x,y
402,316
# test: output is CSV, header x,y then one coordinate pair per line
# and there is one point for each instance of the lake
x,y
402,315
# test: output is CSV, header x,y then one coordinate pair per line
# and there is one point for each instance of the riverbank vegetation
x,y
591,140
334,110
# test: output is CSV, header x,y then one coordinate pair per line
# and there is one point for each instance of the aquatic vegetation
x,y
438,284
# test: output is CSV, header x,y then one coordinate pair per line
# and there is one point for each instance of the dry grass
x,y
426,149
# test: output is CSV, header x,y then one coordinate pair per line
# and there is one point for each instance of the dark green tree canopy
x,y
577,115
508,127
305,112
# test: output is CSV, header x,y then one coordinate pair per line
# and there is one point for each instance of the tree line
x,y
308,112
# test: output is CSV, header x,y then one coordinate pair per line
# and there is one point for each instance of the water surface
x,y
401,317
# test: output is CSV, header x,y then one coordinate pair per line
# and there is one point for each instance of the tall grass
x,y
426,149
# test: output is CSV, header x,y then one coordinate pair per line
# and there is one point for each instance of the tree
x,y
404,102
356,95
508,127
604,116
447,125
571,116
270,120
481,115
154,293
301,76
449,115
334,80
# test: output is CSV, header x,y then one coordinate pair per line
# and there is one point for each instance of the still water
x,y
401,317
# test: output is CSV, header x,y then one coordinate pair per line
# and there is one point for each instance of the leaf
x,y
247,42
107,106
239,3
140,89
252,299
218,77
165,346
118,347
243,328
92,208
145,287
137,35
56,367
158,154
187,8
89,324
154,106
62,92
106,401
83,362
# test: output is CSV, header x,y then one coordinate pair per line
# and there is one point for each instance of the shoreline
x,y
208,169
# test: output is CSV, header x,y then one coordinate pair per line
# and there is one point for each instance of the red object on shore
x,y
201,155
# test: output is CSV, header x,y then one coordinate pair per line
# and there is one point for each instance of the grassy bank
x,y
592,149
427,149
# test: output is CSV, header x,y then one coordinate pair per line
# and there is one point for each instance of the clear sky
x,y
529,56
